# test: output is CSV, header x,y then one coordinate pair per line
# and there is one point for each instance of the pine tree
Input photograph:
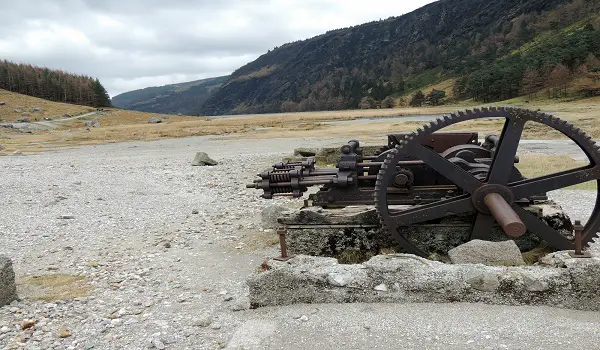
x,y
101,98
417,99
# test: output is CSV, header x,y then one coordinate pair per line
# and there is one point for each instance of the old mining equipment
x,y
439,173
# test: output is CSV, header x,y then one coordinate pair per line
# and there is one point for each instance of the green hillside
x,y
493,50
185,98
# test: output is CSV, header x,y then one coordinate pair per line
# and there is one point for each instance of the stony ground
x,y
155,253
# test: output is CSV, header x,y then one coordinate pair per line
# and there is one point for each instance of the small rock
x,y
504,253
17,110
92,123
203,321
64,333
158,344
154,120
238,307
228,298
339,279
202,159
306,152
381,288
303,318
195,211
270,214
66,217
216,326
23,120
17,152
26,324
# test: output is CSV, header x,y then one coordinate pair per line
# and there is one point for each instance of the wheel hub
x,y
478,197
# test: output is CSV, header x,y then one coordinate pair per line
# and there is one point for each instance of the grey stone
x,y
92,123
36,110
305,152
339,279
381,288
408,278
504,253
202,321
158,344
202,159
17,110
155,120
23,120
484,281
556,259
2,103
8,289
269,216
17,152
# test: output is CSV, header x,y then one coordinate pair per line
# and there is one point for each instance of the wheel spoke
x,y
452,172
482,227
550,182
432,211
504,157
545,232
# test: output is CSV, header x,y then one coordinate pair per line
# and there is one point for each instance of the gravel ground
x,y
123,217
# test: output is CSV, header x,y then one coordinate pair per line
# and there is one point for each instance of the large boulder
x,y
202,159
505,253
23,120
8,290
155,120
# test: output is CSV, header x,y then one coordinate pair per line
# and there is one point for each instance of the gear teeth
x,y
384,177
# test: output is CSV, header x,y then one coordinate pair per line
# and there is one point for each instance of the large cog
x,y
515,119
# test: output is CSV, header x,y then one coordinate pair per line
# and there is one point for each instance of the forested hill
x,y
53,85
185,98
492,50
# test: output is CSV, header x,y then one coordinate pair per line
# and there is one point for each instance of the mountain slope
x,y
185,98
445,39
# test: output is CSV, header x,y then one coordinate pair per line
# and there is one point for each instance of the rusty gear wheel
x,y
498,176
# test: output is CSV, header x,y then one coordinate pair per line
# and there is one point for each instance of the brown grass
x,y
534,165
120,125
26,103
54,287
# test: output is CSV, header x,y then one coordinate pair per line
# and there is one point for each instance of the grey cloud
x,y
131,44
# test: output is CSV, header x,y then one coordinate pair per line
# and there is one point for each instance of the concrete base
x,y
8,290
406,278
355,232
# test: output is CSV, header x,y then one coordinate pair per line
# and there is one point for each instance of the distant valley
x,y
182,98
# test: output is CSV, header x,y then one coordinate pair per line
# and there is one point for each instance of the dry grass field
x,y
121,125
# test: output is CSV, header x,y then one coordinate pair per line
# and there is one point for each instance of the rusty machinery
x,y
440,173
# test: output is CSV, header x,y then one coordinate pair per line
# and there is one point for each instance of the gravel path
x,y
121,215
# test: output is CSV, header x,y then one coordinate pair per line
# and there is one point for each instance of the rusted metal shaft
x,y
401,163
505,215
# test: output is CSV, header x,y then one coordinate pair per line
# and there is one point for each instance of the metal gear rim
x,y
583,141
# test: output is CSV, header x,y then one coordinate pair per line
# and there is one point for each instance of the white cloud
x,y
131,44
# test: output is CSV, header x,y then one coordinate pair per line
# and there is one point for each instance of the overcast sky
x,y
131,44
